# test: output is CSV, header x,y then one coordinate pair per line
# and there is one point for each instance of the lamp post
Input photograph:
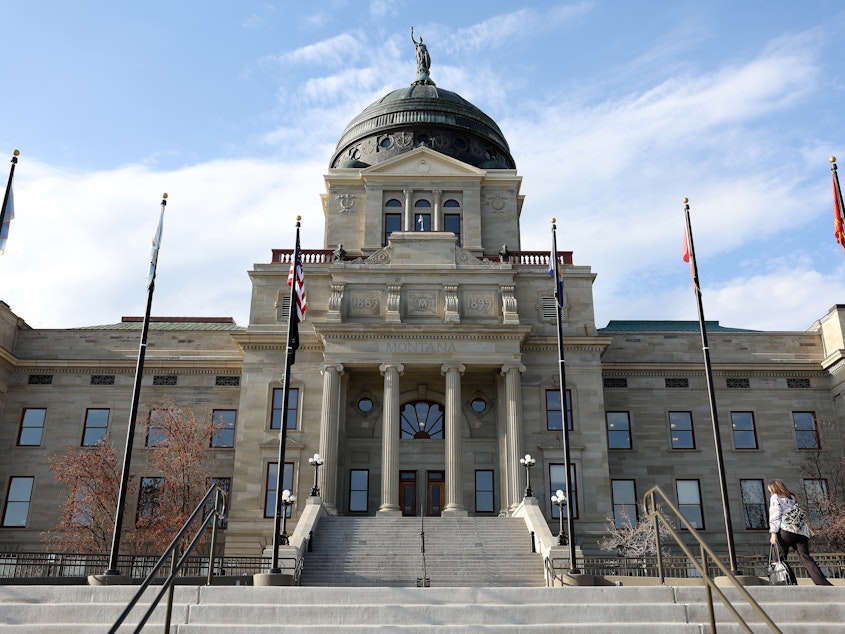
x,y
560,500
287,501
317,460
528,462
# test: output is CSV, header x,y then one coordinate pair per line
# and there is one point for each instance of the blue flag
x,y
7,219
557,274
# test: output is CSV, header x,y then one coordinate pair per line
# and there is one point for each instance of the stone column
x,y
513,405
390,441
329,424
437,221
408,222
452,421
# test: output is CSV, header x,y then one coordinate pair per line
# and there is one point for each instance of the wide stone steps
x,y
375,551
242,609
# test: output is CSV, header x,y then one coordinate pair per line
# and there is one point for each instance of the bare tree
x,y
632,538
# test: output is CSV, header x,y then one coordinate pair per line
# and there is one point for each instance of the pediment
x,y
422,162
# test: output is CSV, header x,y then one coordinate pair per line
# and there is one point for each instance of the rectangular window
x,y
359,490
557,480
156,434
270,487
32,427
18,498
744,430
96,426
689,502
169,379
84,496
392,222
681,431
624,503
452,222
293,404
754,504
618,430
484,497
226,485
806,430
225,421
816,492
149,498
553,413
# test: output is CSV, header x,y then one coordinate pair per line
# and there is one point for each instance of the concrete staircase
x,y
376,551
247,609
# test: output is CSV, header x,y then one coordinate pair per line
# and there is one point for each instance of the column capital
x,y
446,367
513,366
384,367
337,367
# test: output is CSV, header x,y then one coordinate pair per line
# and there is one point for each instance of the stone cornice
x,y
425,332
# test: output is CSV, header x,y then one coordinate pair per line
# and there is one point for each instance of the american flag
x,y
296,277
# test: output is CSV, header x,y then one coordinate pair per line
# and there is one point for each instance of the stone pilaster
x,y
390,440
454,455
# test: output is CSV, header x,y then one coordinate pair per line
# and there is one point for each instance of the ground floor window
x,y
624,502
270,488
689,502
18,499
484,494
557,480
754,504
359,490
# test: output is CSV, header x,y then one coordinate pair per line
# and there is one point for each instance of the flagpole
x,y
136,393
15,155
837,199
570,522
292,344
705,347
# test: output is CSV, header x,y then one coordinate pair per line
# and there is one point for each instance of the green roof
x,y
173,324
666,326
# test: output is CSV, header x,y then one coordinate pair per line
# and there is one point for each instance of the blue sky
x,y
614,110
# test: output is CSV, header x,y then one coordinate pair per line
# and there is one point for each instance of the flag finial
x,y
298,218
832,159
554,220
15,153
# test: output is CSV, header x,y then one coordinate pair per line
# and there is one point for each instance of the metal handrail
x,y
171,551
656,516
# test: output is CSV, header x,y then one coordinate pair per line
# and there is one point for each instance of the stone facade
x,y
428,365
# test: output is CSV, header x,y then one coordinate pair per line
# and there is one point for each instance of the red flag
x,y
685,256
838,229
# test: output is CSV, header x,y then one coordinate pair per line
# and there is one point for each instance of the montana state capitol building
x,y
428,366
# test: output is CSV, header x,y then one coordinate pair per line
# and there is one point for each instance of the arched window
x,y
393,203
421,419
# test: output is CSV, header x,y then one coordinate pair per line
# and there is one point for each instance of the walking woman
x,y
782,500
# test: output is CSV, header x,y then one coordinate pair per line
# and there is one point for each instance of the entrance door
x,y
436,489
408,492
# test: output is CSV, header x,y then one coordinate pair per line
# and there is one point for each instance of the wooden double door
x,y
433,486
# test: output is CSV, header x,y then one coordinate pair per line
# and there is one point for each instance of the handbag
x,y
780,573
793,520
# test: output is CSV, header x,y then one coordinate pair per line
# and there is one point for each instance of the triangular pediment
x,y
423,162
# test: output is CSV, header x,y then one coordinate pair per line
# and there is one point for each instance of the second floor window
x,y
806,430
32,427
618,430
681,431
96,426
293,408
744,430
224,419
554,413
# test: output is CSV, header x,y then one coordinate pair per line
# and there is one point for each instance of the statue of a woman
x,y
423,61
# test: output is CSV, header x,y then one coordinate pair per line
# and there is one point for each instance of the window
x,y
227,381
557,480
226,485
359,490
169,379
553,412
689,502
149,499
18,498
620,382
484,498
754,504
270,487
806,430
32,427
392,222
676,383
624,503
84,494
40,379
744,430
738,383
816,492
156,433
102,379
618,430
293,406
681,431
225,421
393,203
452,222
798,384
96,426
421,420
